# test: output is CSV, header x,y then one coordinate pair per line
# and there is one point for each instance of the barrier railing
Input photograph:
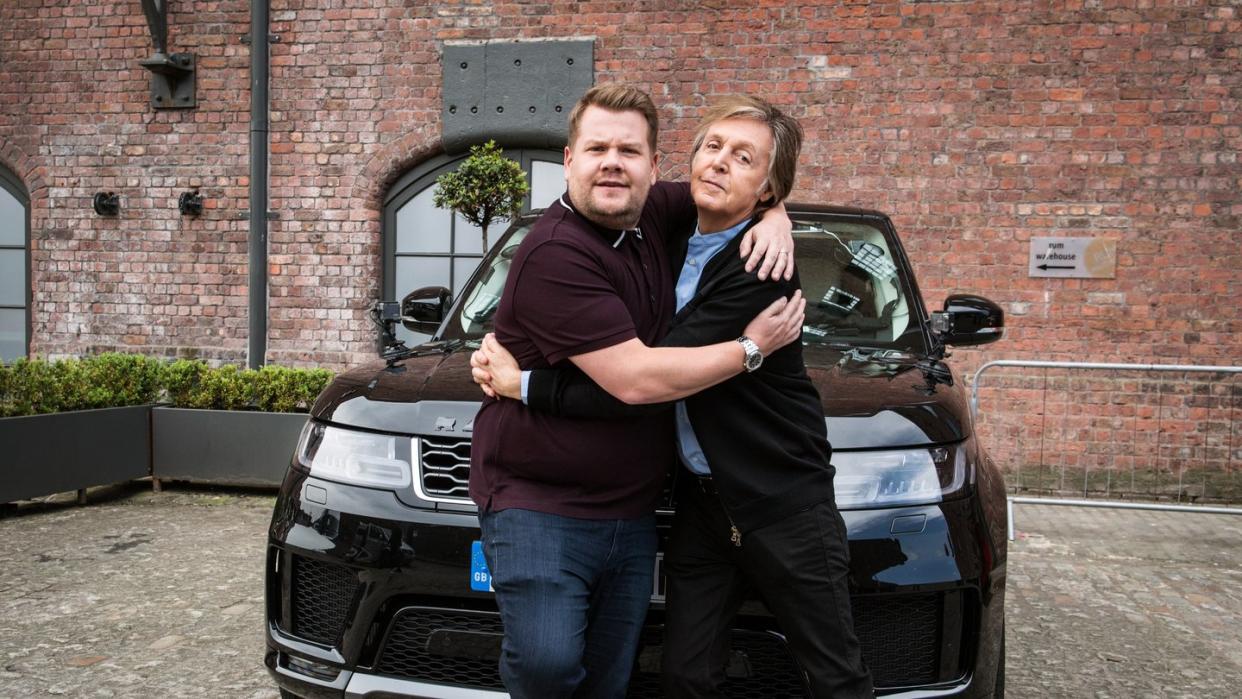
x,y
1182,433
1189,368
1112,505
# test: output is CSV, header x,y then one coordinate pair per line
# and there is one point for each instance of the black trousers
x,y
798,565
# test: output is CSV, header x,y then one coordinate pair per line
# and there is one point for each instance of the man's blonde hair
x,y
617,97
786,139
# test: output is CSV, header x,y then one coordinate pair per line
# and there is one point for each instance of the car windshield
x,y
854,292
474,317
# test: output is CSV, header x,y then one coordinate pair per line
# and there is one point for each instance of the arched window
x,y
426,246
14,268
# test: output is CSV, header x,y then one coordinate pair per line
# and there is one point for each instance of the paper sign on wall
x,y
1089,258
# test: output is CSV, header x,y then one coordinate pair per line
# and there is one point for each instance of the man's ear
x,y
655,167
767,198
569,157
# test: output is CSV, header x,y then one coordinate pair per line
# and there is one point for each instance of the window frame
x,y
421,177
14,186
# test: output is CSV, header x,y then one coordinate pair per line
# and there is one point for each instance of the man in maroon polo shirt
x,y
566,505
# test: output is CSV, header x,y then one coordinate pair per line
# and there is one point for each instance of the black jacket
x,y
763,433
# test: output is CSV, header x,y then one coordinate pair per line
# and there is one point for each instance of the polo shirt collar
x,y
613,235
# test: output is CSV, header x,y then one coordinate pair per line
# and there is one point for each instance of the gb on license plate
x,y
481,577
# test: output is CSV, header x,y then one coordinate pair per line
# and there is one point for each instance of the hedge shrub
x,y
30,387
120,379
280,389
181,382
37,386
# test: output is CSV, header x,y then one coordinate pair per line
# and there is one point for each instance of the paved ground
x,y
135,595
144,595
1112,603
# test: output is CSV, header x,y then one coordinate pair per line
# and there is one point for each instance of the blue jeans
x,y
573,596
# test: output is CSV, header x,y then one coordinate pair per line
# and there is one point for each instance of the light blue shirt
x,y
701,248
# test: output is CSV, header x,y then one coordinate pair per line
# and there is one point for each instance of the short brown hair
x,y
617,97
786,138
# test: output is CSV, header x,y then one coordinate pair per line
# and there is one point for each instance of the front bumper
x,y
367,597
360,685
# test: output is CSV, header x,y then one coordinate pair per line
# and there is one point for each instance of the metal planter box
x,y
223,446
45,454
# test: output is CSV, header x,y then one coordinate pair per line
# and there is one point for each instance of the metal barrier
x,y
974,384
1112,505
1096,420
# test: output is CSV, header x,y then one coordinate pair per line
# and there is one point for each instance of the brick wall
x,y
976,124
75,120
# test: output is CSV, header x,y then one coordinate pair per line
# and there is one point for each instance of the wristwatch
x,y
754,358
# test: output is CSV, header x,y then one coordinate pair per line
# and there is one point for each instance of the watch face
x,y
753,361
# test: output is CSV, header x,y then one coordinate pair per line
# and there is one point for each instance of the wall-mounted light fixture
x,y
190,204
107,203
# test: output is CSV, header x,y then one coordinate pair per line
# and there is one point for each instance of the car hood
x,y
870,401
427,393
875,400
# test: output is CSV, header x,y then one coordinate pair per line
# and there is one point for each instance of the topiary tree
x,y
487,187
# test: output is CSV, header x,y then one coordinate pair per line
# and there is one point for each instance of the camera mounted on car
x,y
421,311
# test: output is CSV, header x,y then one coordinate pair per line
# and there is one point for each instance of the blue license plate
x,y
480,576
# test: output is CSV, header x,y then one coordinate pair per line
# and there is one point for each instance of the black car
x,y
376,585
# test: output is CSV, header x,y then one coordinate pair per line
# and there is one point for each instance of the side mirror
x,y
422,310
968,320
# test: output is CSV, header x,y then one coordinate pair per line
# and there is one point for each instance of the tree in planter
x,y
486,188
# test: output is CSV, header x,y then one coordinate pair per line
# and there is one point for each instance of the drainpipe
x,y
259,65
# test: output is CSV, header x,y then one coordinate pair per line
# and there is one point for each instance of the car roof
x,y
802,208
792,207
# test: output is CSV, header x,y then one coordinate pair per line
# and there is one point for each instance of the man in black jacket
x,y
755,504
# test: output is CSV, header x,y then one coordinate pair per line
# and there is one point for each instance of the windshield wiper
x,y
864,353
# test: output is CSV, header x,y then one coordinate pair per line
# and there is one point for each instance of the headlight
x,y
905,477
360,458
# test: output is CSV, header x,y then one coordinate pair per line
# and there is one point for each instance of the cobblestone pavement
x,y
136,595
160,595
1122,603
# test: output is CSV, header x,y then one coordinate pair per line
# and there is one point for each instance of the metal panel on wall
x,y
517,92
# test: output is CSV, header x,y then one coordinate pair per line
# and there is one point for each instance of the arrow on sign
x,y
1046,267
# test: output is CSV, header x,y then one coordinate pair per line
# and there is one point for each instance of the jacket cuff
x,y
537,389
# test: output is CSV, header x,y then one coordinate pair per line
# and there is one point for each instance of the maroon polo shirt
x,y
575,287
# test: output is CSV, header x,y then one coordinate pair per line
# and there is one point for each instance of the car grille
x,y
900,637
322,593
408,649
760,667
445,465
444,472
408,653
